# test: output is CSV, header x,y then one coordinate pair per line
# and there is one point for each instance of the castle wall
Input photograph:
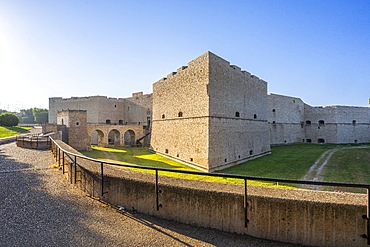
x,y
337,124
238,127
99,108
285,117
180,110
138,109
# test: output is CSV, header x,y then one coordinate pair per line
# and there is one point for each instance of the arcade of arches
x,y
114,135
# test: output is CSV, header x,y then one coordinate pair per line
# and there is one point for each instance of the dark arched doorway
x,y
97,137
129,138
114,137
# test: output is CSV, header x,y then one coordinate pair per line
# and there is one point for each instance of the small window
x,y
308,140
320,140
239,156
77,123
178,155
115,106
273,122
163,116
179,114
273,110
250,152
120,122
107,121
321,122
294,101
308,122
166,151
356,141
354,122
191,159
128,108
225,160
255,116
237,114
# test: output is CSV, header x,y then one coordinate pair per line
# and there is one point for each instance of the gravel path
x,y
39,208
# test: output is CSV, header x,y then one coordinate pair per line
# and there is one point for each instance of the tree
x,y
8,119
40,115
26,116
2,111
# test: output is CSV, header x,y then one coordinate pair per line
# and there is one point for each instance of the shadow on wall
x,y
39,209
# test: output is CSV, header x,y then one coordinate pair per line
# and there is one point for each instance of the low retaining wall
x,y
295,216
7,139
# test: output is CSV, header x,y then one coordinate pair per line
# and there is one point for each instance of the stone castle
x,y
211,115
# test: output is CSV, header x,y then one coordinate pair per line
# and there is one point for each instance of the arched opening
x,y
308,122
320,140
97,137
114,137
120,122
129,138
321,122
107,121
179,114
237,114
255,116
354,122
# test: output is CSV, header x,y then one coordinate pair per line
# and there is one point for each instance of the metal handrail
x,y
223,175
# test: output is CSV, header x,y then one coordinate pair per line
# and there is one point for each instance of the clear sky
x,y
317,50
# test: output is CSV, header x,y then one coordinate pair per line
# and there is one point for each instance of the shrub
x,y
8,119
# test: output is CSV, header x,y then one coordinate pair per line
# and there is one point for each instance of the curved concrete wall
x,y
295,216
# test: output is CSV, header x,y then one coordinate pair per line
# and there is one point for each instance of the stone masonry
x,y
206,114
210,114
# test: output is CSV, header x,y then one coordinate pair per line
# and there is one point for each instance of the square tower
x,y
74,124
210,114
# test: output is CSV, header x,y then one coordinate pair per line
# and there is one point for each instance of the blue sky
x,y
317,50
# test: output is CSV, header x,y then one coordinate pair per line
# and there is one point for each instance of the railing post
x,y
70,172
245,204
59,157
75,172
63,163
158,205
102,178
368,216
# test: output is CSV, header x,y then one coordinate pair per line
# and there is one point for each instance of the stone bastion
x,y
314,218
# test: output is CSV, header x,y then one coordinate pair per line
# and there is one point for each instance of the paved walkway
x,y
39,208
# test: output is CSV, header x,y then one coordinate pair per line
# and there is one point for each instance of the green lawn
x,y
11,131
287,161
351,165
